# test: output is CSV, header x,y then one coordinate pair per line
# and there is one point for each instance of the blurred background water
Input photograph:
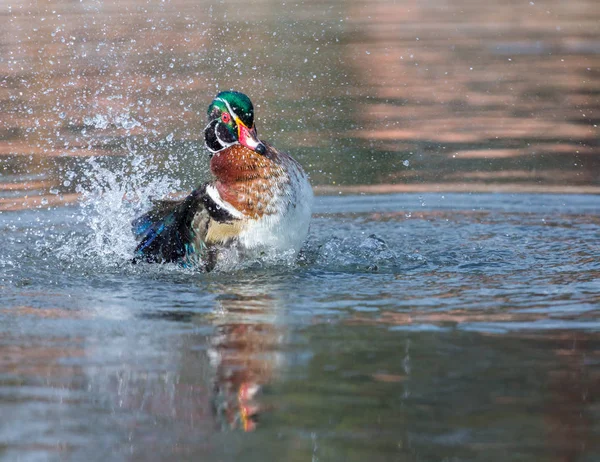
x,y
498,96
446,303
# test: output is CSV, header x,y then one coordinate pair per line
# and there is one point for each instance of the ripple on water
x,y
389,319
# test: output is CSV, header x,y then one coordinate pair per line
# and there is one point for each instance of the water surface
x,y
414,327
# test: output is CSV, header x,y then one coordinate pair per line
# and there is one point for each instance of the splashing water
x,y
351,253
110,199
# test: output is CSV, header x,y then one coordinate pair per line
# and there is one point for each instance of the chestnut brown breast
x,y
248,180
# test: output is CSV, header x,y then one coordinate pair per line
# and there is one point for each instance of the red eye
x,y
225,117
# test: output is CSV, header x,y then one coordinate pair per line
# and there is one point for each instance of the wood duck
x,y
258,203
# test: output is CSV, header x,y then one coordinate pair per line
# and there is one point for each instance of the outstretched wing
x,y
165,233
188,231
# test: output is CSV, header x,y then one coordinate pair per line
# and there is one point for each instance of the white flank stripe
x,y
216,197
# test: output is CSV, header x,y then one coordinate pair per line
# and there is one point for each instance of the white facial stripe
x,y
212,150
221,142
235,116
206,144
216,197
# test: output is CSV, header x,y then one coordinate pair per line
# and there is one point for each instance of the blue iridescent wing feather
x,y
165,233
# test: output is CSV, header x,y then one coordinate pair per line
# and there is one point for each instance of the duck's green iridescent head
x,y
231,121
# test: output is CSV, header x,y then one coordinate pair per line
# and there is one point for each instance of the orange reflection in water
x,y
245,354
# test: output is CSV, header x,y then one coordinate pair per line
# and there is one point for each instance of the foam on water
x,y
350,253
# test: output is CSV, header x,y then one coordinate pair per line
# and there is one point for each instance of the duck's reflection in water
x,y
192,373
245,354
